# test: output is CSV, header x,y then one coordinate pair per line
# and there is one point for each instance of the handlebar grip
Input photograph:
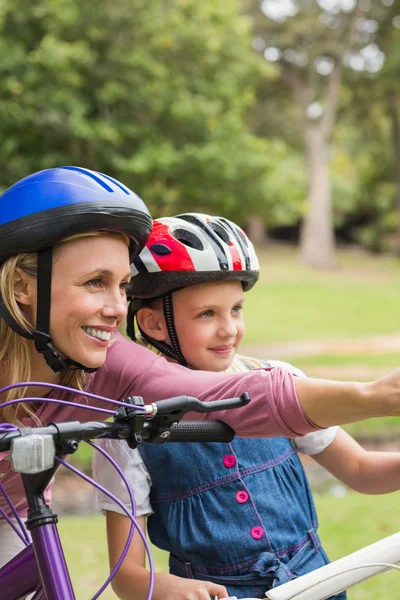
x,y
201,431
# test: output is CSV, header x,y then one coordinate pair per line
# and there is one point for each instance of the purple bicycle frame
x,y
43,567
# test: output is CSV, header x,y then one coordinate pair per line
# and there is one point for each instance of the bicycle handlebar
x,y
34,449
62,433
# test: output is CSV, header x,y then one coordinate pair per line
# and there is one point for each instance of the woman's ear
x,y
152,322
24,288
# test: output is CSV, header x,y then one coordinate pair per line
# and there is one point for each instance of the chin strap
x,y
174,351
41,335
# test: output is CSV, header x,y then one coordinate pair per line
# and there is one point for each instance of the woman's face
x,y
88,297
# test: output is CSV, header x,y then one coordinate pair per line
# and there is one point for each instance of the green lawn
x,y
354,521
294,302
384,360
347,524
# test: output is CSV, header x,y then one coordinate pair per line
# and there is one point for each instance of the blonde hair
x,y
15,349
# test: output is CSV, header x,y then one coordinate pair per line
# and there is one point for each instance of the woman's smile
x,y
99,334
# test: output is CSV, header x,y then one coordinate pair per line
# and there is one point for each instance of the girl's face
x,y
88,297
209,323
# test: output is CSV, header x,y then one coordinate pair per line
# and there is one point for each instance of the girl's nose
x,y
228,328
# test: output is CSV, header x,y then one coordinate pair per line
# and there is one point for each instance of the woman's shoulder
x,y
124,350
125,361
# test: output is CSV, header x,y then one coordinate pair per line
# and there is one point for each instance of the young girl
x,y
239,515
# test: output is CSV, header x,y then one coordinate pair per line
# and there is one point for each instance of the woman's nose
x,y
115,305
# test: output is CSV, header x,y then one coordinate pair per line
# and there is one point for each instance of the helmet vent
x,y
220,231
160,249
188,238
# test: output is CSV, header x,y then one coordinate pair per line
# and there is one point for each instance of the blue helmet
x,y
48,206
45,208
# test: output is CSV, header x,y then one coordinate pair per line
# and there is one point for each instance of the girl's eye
x,y
206,314
237,309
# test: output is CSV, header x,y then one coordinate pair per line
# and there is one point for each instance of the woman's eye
x,y
124,285
96,282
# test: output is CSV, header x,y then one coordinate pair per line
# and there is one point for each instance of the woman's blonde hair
x,y
15,349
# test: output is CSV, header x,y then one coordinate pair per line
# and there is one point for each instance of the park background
x,y
280,114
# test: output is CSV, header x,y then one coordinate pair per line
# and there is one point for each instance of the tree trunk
x,y
256,230
396,159
317,238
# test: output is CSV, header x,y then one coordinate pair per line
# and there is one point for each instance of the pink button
x,y
242,497
257,533
229,460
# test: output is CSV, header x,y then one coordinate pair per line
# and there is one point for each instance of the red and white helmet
x,y
190,249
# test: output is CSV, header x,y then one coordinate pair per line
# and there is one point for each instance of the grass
x,y
354,521
347,524
386,360
293,302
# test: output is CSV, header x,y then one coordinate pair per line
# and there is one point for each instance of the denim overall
x,y
238,514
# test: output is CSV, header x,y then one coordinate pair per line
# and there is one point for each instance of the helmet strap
x,y
168,308
173,351
41,336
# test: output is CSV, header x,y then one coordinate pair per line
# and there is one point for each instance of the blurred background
x,y
283,115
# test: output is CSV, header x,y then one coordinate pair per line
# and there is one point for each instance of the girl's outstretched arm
x,y
363,471
132,580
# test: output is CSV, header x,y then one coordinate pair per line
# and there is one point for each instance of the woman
x,y
68,235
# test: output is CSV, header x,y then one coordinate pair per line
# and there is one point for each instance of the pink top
x,y
131,370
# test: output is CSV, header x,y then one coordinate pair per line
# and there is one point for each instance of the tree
x,y
311,40
372,111
153,92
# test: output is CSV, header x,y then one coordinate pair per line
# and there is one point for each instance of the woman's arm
x,y
328,403
281,404
132,579
363,471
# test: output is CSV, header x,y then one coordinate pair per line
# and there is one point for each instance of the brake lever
x,y
174,409
135,418
156,419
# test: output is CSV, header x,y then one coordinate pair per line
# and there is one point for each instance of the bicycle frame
x,y
44,568
43,562
13,585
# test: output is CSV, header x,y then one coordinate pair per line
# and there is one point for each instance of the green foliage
x,y
152,92
171,98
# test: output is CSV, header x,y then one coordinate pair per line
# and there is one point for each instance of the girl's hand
x,y
170,587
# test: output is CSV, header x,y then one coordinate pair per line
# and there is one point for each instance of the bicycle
x,y
40,569
36,453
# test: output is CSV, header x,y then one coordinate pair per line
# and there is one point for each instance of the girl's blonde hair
x,y
15,349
